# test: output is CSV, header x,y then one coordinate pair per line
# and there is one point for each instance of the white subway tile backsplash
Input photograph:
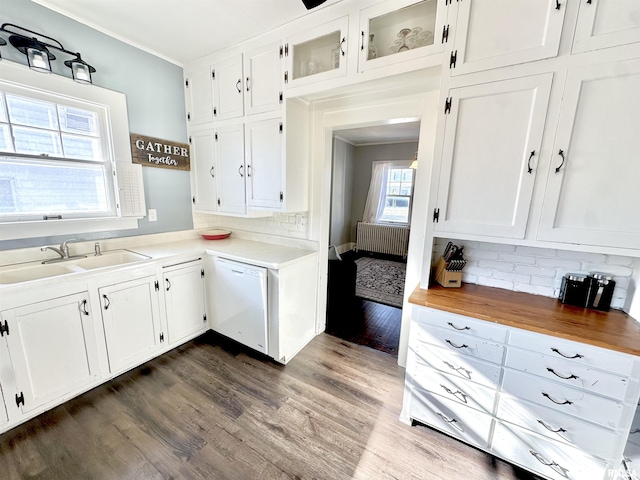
x,y
280,224
538,271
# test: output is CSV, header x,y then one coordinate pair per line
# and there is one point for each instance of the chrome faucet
x,y
57,250
63,251
65,248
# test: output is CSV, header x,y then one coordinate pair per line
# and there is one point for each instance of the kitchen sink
x,y
108,259
36,270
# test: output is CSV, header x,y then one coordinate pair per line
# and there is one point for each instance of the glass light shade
x,y
414,164
38,60
81,72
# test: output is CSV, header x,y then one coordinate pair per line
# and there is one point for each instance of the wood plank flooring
x,y
214,410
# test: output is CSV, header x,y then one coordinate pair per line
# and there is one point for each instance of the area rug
x,y
380,280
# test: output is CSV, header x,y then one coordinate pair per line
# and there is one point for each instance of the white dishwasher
x,y
240,303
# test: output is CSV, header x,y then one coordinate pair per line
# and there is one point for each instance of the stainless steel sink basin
x,y
36,270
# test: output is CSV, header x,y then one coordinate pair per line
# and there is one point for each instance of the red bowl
x,y
214,234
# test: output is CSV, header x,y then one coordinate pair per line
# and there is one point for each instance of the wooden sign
x,y
153,152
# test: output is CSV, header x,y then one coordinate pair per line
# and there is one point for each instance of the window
x,y
54,158
398,194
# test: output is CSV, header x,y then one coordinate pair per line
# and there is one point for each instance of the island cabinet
x,y
551,388
131,321
52,349
492,34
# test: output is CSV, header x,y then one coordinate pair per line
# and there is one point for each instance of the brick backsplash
x,y
292,225
535,270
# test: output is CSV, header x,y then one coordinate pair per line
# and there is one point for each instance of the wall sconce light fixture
x,y
38,53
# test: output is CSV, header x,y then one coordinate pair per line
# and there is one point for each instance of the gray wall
x,y
341,197
363,160
155,103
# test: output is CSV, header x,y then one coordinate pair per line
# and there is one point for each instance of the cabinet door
x,y
490,151
264,164
317,54
606,23
199,88
228,88
52,348
592,193
131,320
184,301
497,33
400,31
263,80
231,169
203,171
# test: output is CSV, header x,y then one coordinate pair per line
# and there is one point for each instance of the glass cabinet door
x,y
398,31
317,54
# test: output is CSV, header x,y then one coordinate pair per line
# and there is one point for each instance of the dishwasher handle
x,y
238,272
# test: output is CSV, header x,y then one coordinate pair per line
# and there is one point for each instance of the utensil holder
x,y
446,278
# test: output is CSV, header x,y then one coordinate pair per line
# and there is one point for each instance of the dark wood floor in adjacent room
x,y
213,410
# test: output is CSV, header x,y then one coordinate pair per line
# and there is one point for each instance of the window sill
x,y
15,231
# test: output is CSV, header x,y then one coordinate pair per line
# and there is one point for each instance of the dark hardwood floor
x,y
211,409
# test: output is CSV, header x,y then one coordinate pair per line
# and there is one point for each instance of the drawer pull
x,y
465,373
458,394
635,430
566,402
559,430
561,470
458,328
577,355
456,346
560,376
443,417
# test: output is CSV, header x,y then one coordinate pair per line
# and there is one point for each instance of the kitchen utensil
x,y
574,289
214,234
446,250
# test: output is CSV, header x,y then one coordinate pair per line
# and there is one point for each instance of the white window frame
x,y
15,77
399,165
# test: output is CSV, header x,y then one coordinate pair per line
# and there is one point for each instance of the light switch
x,y
153,216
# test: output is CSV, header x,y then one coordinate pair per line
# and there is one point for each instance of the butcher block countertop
x,y
614,330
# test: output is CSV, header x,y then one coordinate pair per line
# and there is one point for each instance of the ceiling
x,y
182,30
388,133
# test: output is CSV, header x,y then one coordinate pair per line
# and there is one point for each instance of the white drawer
x,y
582,354
454,388
551,459
571,401
457,420
460,323
459,342
568,373
594,439
462,366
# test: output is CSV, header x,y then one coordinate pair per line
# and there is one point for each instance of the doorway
x,y
371,198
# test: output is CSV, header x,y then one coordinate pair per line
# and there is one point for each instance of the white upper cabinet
x,y
231,169
262,70
401,30
203,170
490,152
606,23
131,321
228,86
316,54
497,33
593,193
264,159
199,95
52,345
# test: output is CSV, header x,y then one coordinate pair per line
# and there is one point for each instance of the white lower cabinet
x,y
184,301
558,408
131,319
52,345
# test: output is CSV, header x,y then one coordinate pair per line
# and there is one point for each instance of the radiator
x,y
389,239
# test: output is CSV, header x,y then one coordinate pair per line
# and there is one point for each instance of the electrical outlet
x,y
153,215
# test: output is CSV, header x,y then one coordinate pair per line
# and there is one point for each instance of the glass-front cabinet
x,y
317,54
399,31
